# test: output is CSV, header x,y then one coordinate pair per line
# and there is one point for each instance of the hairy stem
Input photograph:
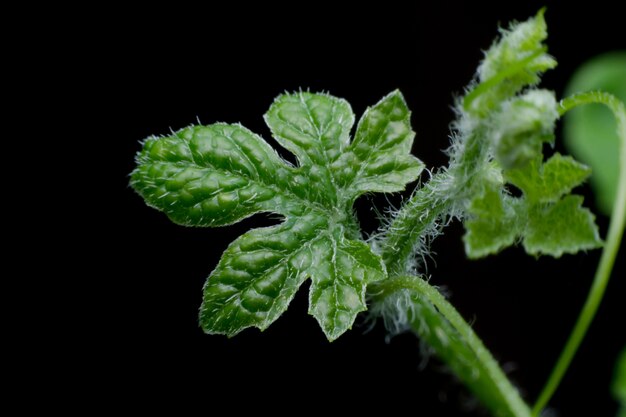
x,y
437,322
405,233
614,237
425,213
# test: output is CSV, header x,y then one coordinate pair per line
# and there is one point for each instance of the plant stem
x,y
614,237
402,238
424,214
437,322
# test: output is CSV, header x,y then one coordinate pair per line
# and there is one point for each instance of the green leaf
x,y
382,148
589,131
258,276
342,268
219,174
520,41
564,227
545,218
513,62
544,228
503,124
548,182
492,226
521,126
212,175
261,271
315,127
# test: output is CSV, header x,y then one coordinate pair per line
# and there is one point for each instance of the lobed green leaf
x,y
548,182
545,218
220,174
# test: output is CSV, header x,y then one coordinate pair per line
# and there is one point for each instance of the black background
x,y
165,68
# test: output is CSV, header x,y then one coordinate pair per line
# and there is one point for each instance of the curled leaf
x,y
513,62
521,126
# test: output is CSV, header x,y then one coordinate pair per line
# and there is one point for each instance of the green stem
x,y
614,237
423,215
402,238
438,323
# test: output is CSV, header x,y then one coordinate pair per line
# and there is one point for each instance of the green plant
x,y
219,174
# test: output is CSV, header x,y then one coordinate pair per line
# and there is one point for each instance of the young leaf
x,y
219,174
515,61
544,218
521,126
545,222
493,225
502,122
548,182
563,227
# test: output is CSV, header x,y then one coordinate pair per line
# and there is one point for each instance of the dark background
x,y
165,68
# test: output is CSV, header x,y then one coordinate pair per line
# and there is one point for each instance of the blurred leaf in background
x,y
590,131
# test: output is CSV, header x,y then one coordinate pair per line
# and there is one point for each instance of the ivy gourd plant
x,y
219,174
